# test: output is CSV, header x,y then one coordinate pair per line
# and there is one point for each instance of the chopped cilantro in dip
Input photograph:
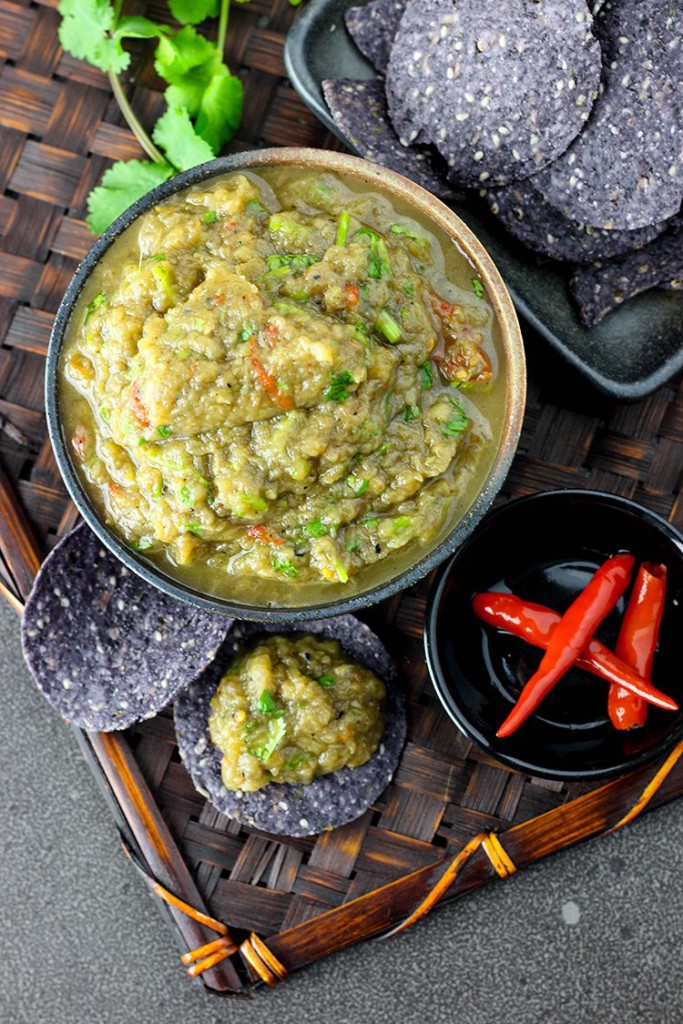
x,y
265,378
338,390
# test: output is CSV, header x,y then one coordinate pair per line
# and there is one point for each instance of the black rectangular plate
x,y
635,349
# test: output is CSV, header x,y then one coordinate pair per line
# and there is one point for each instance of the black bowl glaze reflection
x,y
545,548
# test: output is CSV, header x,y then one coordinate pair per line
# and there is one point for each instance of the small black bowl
x,y
545,548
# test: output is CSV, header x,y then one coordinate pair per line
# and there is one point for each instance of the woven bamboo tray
x,y
306,898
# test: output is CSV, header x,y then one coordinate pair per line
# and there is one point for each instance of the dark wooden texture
x,y
58,130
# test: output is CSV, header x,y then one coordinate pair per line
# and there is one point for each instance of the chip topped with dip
x,y
296,733
290,709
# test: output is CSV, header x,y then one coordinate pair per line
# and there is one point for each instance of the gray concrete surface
x,y
590,936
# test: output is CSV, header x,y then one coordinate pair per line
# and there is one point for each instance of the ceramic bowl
x,y
544,548
397,573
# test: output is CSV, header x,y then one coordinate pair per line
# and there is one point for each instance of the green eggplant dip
x,y
289,710
277,378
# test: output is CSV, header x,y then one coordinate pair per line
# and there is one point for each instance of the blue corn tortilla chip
x,y
600,288
105,648
330,800
373,27
500,87
528,216
360,112
625,170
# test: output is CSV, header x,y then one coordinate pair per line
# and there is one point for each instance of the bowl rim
x,y
396,186
437,674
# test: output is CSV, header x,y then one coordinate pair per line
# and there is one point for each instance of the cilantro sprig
x,y
204,100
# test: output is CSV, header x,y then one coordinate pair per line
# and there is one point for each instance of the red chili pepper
x,y
571,634
351,295
137,408
268,383
441,307
637,642
262,533
535,623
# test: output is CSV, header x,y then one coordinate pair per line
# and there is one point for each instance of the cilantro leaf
x,y
426,374
84,33
404,232
458,423
268,706
359,486
180,53
316,529
338,390
191,12
220,109
296,761
187,62
139,28
121,185
93,305
277,730
285,566
175,133
295,260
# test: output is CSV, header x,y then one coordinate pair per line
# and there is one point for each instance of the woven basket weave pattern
x,y
59,130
